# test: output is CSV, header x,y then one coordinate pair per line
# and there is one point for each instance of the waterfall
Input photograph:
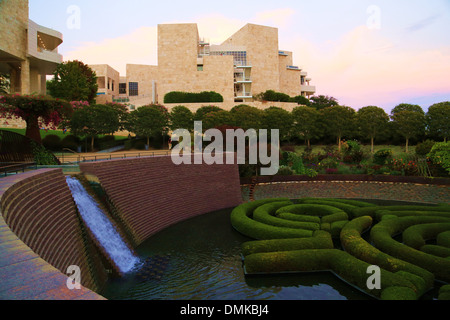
x,y
102,228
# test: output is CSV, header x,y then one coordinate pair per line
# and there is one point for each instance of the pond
x,y
200,259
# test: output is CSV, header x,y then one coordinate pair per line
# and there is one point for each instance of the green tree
x,y
322,102
148,121
73,81
340,122
278,119
372,121
94,120
201,112
409,121
438,120
307,123
181,118
247,117
216,119
301,100
4,84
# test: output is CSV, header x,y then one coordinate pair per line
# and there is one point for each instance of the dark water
x,y
200,259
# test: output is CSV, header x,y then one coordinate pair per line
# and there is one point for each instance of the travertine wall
x,y
151,194
13,26
290,80
109,75
262,52
178,61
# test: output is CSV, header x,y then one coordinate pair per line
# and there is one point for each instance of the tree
x,y
201,112
372,121
307,124
438,120
215,119
301,100
247,117
36,111
5,84
181,118
322,102
94,120
409,121
148,121
73,81
278,119
340,121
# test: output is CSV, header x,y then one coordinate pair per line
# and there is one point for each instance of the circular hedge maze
x,y
409,245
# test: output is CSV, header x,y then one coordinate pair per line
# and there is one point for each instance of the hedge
x,y
436,250
416,236
444,293
443,239
347,267
382,233
319,240
327,213
371,211
264,214
188,97
354,244
241,220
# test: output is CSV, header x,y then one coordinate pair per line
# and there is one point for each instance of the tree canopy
x,y
73,81
438,120
372,121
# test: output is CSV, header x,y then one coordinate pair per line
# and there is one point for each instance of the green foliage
x,y
339,121
409,121
285,171
322,102
181,118
278,119
440,155
148,121
438,119
70,142
372,122
381,157
215,119
188,97
247,117
73,81
424,148
301,100
203,111
42,157
307,123
52,142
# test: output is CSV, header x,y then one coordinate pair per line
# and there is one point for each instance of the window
x,y
200,67
133,88
122,88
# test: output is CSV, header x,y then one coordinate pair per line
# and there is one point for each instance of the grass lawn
x,y
59,133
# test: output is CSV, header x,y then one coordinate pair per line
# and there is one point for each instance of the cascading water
x,y
102,228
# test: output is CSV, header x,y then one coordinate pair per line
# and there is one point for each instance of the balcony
x,y
243,95
242,80
308,89
242,64
293,68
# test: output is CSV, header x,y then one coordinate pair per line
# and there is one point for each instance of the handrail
x,y
79,158
16,167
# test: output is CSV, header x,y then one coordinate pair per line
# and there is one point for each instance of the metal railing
x,y
80,158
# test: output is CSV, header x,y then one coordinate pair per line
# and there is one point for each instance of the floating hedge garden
x,y
410,244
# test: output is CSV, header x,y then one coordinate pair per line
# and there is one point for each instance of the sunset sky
x,y
361,52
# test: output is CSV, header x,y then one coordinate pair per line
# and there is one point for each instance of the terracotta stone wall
x,y
151,194
40,210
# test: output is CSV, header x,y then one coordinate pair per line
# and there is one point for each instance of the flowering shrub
x,y
404,166
38,111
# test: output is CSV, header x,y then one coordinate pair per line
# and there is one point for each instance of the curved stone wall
x,y
356,187
150,194
41,236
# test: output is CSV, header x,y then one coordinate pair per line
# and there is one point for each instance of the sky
x,y
360,52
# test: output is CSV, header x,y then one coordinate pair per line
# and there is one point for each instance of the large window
x,y
122,88
133,88
240,57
